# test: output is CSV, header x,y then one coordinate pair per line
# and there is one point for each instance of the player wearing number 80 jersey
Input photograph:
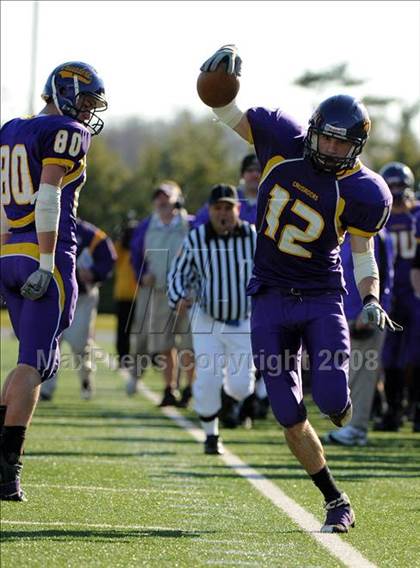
x,y
313,189
43,163
27,146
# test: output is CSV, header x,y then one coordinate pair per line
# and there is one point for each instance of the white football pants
x,y
223,356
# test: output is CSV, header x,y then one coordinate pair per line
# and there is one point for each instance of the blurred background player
x,y
96,257
415,282
155,243
216,259
366,341
313,189
401,354
43,162
125,287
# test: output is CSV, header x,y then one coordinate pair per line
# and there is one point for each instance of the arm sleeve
x,y
182,274
274,133
364,219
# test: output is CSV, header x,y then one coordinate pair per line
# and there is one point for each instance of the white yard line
x,y
106,489
88,525
335,545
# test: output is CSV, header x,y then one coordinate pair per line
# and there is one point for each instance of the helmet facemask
x,y
68,99
77,91
327,162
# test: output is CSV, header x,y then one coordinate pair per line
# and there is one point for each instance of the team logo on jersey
x,y
83,75
305,190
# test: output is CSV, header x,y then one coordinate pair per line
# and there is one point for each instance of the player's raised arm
x,y
47,216
218,85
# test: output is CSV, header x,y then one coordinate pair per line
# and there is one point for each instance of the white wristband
x,y
229,114
46,262
365,265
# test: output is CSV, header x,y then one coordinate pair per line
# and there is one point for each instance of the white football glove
x,y
36,284
374,313
228,54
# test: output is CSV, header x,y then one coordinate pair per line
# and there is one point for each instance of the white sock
x,y
211,428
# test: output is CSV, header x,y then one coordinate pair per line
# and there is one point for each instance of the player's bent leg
x,y
327,341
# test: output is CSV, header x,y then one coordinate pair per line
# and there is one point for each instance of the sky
x,y
149,53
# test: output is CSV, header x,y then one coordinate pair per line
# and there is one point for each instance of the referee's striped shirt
x,y
219,267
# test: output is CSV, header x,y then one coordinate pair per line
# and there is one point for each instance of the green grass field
x,y
113,482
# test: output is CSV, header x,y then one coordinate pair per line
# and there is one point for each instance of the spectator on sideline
x,y
155,243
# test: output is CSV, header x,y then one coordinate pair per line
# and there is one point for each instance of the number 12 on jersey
x,y
291,235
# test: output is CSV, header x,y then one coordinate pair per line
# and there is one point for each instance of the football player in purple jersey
x,y
313,190
43,165
401,352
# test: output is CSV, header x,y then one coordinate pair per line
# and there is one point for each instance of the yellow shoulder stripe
x,y
360,233
270,165
346,173
68,164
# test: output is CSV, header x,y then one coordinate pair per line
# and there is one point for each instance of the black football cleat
x,y
168,399
213,446
186,395
10,473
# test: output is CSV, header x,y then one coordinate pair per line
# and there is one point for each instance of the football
x,y
217,88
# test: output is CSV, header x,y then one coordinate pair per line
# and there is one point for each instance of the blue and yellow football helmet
x,y
68,83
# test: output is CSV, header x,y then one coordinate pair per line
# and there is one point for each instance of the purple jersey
x,y
402,227
26,146
302,214
95,251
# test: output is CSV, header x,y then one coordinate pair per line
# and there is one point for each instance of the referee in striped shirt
x,y
214,265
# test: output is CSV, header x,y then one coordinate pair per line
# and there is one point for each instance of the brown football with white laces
x,y
217,88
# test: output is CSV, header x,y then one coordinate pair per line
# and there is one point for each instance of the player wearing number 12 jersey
x,y
43,168
313,189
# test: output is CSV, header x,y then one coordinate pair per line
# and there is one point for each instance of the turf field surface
x,y
113,481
